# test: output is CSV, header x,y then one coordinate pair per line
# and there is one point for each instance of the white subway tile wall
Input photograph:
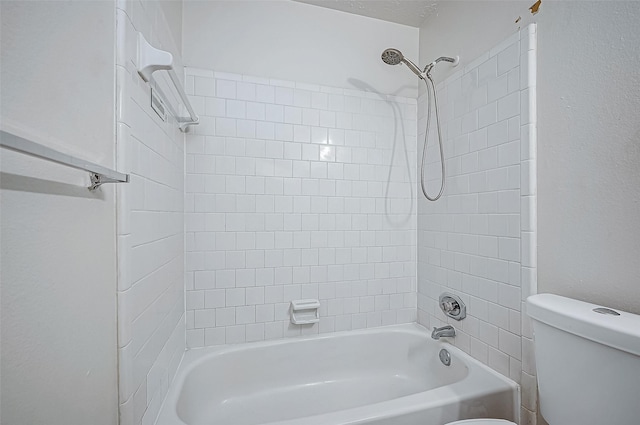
x,y
297,191
150,226
479,240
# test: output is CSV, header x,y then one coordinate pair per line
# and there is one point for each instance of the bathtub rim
x,y
199,355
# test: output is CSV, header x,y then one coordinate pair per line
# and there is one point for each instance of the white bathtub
x,y
383,376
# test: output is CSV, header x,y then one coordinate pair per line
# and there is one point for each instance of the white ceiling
x,y
406,12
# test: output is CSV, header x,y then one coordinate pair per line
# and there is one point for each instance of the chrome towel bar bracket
x,y
99,174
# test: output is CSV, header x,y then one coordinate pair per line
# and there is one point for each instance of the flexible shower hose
x,y
426,136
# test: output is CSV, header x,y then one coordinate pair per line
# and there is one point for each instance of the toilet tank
x,y
588,362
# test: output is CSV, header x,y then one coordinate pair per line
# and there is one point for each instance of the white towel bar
x,y
151,60
99,174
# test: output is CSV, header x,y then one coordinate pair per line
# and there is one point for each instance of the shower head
x,y
394,57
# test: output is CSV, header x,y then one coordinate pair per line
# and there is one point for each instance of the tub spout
x,y
445,331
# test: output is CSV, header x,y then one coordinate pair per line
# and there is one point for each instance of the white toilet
x,y
588,363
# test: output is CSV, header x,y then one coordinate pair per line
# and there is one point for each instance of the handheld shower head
x,y
395,56
392,56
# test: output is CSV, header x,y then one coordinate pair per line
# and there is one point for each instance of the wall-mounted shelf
x,y
151,60
99,174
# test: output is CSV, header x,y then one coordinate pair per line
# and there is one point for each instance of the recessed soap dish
x,y
304,312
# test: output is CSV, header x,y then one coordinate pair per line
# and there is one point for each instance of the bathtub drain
x,y
445,357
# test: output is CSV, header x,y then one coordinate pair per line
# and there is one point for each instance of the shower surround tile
x,y
150,224
479,240
294,191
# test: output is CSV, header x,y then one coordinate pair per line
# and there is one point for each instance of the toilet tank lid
x,y
579,318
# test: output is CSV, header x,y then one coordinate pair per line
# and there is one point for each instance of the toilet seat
x,y
482,422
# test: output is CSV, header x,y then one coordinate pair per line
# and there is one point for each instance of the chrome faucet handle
x,y
452,306
449,306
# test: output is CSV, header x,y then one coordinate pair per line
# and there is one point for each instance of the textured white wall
x,y
468,29
172,11
58,246
588,135
297,42
588,168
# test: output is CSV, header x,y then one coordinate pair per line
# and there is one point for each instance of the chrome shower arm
x,y
429,67
447,59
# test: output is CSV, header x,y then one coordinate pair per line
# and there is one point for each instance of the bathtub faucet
x,y
445,331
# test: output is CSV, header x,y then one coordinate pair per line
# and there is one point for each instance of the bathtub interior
x,y
285,380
